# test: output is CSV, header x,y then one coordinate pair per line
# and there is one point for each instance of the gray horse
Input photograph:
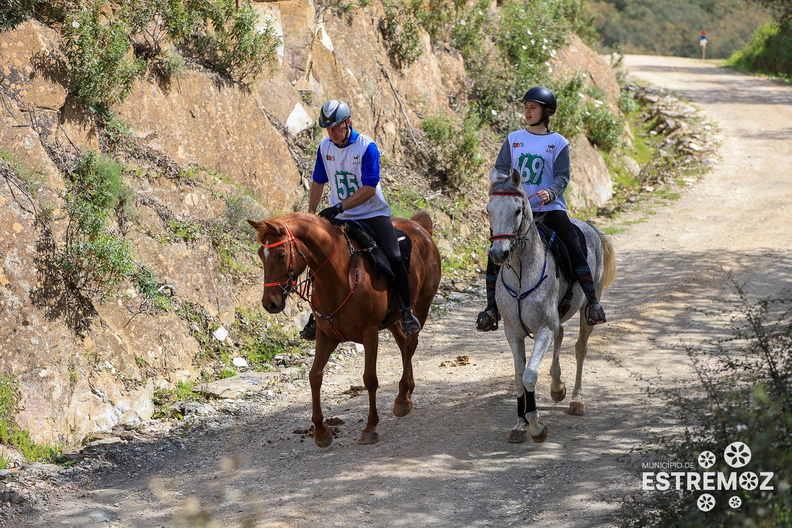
x,y
528,293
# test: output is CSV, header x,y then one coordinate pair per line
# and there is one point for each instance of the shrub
x,y
515,56
568,119
769,52
603,126
453,149
230,41
746,397
100,74
14,12
94,260
401,29
10,432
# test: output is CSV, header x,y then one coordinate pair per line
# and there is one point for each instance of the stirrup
x,y
488,320
594,314
309,332
410,323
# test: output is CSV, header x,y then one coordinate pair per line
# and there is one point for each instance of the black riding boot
x,y
309,331
488,319
594,313
410,323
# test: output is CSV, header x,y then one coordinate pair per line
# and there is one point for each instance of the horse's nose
x,y
499,256
272,305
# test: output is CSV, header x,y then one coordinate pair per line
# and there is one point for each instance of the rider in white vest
x,y
541,156
350,163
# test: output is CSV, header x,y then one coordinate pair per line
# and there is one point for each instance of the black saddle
x,y
563,263
365,237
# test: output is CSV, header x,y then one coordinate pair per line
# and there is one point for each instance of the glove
x,y
331,212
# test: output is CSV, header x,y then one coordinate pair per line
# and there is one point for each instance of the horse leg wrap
x,y
526,404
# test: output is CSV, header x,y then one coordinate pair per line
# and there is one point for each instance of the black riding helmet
x,y
543,96
333,113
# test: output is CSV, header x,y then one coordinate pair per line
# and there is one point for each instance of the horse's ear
x,y
264,225
496,176
515,178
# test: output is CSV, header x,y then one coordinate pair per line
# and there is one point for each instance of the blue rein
x,y
520,296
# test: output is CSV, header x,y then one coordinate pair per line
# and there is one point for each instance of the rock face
x,y
82,366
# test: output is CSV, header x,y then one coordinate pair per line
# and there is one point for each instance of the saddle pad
x,y
364,236
560,252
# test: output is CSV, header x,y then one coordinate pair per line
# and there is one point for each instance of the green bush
x,y
11,434
94,260
14,12
229,40
505,59
453,150
401,29
100,74
603,126
769,52
745,395
568,119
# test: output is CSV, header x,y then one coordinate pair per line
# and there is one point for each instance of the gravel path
x,y
448,464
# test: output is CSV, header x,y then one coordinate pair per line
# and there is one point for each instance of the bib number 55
x,y
346,184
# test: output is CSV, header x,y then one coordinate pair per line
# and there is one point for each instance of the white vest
x,y
533,156
343,167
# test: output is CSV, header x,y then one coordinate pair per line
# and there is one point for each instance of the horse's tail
x,y
423,220
608,260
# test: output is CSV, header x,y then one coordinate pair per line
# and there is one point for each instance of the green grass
x,y
13,435
168,401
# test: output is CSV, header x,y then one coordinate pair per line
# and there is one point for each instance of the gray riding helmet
x,y
333,113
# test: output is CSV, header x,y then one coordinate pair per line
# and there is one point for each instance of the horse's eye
x,y
517,213
282,255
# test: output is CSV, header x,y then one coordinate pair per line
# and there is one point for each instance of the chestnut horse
x,y
351,302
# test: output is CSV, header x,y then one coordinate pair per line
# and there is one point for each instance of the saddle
x,y
365,238
563,263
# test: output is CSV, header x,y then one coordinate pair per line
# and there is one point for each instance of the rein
x,y
515,294
305,289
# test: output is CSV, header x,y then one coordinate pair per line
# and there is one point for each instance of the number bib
x,y
534,156
343,167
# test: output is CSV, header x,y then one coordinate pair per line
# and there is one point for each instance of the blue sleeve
x,y
370,169
319,174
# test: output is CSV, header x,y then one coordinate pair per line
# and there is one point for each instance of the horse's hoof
x,y
517,436
324,441
368,438
577,408
558,395
541,437
402,409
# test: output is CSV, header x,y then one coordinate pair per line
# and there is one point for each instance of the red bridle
x,y
304,288
509,236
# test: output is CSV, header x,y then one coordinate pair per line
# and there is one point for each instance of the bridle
x,y
290,284
305,288
518,235
521,238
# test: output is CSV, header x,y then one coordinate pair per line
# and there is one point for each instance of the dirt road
x,y
448,464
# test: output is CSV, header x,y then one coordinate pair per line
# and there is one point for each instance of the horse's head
x,y
283,262
508,212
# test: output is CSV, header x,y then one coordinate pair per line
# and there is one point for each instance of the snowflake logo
x,y
706,459
749,481
735,502
737,454
706,502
